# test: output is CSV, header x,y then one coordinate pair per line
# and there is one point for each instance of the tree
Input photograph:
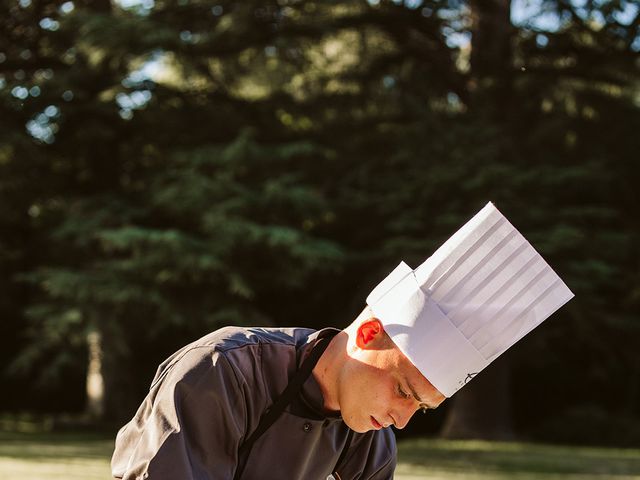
x,y
213,162
542,110
182,226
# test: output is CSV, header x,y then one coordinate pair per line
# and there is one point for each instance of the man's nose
x,y
403,414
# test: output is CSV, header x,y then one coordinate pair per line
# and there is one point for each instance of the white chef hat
x,y
483,290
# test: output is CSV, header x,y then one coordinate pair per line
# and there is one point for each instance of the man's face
x,y
379,386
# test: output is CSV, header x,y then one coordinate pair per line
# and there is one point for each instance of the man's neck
x,y
328,368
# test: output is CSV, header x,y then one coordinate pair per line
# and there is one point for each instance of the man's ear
x,y
368,332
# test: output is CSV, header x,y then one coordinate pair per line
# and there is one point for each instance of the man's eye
x,y
402,393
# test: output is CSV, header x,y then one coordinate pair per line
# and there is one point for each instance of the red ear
x,y
368,331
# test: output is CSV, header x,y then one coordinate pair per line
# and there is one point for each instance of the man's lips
x,y
375,423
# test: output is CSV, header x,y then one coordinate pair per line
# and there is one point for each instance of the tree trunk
x,y
482,409
491,51
119,401
491,60
95,381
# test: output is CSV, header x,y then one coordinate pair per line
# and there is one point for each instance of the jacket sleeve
x,y
190,425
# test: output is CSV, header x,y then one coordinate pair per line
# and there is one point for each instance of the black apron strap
x,y
285,398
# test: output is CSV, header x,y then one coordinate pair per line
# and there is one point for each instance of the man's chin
x,y
357,428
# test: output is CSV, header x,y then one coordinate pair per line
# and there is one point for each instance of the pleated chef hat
x,y
483,290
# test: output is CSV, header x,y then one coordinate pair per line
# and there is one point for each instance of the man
x,y
207,397
294,403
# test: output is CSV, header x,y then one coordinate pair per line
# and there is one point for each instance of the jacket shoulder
x,y
229,338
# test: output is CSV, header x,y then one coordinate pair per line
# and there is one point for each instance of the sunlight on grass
x,y
476,460
75,456
54,456
81,469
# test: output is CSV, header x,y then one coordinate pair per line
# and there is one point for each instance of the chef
x,y
271,403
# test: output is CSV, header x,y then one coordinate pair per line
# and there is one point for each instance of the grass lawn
x,y
475,460
44,456
69,456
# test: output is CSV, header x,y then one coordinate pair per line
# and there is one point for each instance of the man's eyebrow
x,y
416,396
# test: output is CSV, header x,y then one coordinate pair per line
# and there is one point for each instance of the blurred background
x,y
168,167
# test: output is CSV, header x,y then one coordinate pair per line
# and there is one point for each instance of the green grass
x,y
476,460
44,456
74,456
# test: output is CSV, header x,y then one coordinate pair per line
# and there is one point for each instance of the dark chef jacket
x,y
208,397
